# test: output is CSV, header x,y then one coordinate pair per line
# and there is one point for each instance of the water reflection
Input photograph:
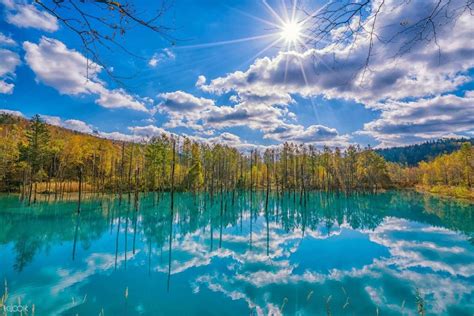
x,y
334,254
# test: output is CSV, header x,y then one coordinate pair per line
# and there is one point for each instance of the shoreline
x,y
448,192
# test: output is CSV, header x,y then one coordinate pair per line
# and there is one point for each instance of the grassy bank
x,y
448,191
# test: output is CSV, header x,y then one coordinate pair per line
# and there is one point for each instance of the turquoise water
x,y
334,254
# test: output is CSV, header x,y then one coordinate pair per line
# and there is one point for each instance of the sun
x,y
291,32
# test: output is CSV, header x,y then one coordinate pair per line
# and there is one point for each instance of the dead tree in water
x,y
137,187
130,174
80,191
172,173
121,173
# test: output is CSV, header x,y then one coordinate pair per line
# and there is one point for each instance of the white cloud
x,y
201,81
29,16
420,70
10,60
184,109
319,134
6,40
309,74
255,116
121,137
72,74
11,112
119,98
72,124
78,125
429,118
257,112
6,88
148,131
144,133
228,139
158,58
139,133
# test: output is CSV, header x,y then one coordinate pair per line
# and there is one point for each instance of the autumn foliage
x,y
40,158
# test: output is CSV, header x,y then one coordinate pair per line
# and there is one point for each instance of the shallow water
x,y
338,255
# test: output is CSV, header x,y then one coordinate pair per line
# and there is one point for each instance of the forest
x,y
413,154
37,158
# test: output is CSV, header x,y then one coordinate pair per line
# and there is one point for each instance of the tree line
x,y
447,174
413,154
39,158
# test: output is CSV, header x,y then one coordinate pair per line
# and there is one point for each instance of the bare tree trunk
x,y
172,174
31,188
121,174
130,175
80,191
137,184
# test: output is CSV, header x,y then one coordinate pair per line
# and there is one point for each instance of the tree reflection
x,y
34,229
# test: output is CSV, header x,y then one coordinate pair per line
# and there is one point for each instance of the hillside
x,y
413,154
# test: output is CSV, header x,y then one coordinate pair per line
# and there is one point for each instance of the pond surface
x,y
384,254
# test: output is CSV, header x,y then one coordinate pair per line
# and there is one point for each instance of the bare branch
x,y
347,23
102,24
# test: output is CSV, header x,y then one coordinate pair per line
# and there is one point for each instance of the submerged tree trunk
x,y
172,174
80,191
120,188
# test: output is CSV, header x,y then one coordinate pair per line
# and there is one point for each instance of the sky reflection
x,y
355,254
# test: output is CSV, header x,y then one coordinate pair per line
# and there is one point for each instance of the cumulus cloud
x,y
228,139
11,112
428,118
148,131
78,125
72,74
255,116
314,134
29,16
6,40
72,124
309,74
201,81
158,58
422,69
10,60
271,121
202,115
137,133
184,109
121,137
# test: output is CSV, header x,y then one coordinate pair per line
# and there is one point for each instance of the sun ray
x,y
270,9
291,31
285,10
316,11
309,37
293,11
272,44
256,18
303,72
228,42
319,59
287,61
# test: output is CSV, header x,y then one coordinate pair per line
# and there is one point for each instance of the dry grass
x,y
68,187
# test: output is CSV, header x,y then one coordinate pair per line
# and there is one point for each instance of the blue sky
x,y
245,92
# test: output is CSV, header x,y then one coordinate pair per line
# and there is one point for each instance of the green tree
x,y
36,151
195,174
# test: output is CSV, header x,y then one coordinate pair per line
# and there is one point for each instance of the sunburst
x,y
291,32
